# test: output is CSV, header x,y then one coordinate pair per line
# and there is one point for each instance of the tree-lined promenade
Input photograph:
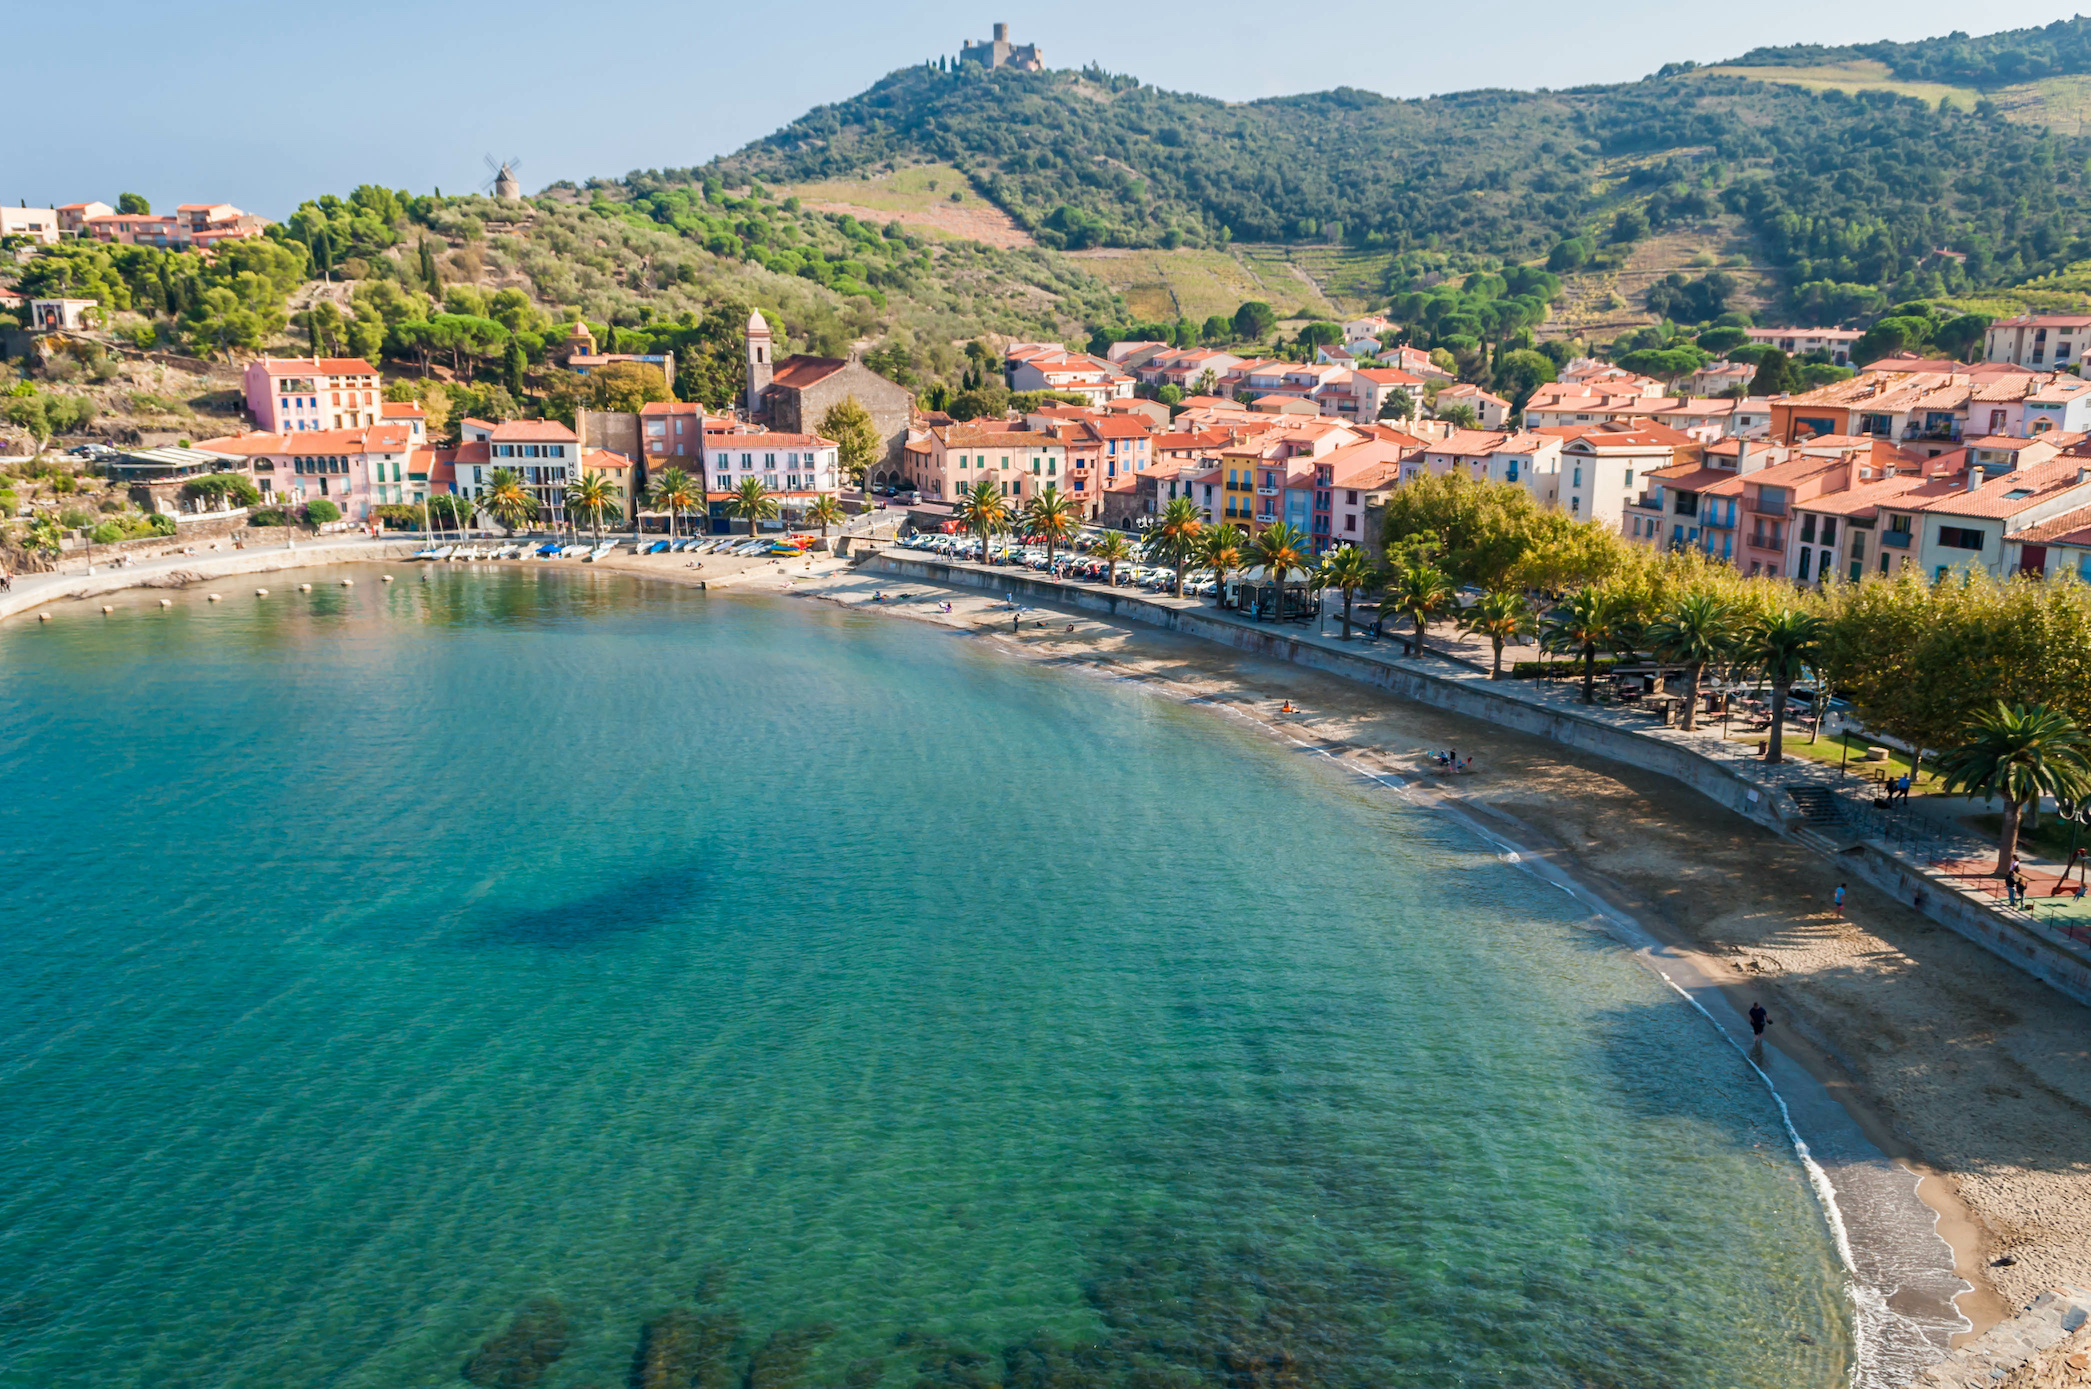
x,y
1993,674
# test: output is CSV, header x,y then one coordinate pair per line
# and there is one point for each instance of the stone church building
x,y
791,395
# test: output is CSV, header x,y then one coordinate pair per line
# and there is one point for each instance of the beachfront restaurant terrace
x,y
170,463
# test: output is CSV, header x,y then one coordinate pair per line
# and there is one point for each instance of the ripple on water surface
x,y
548,979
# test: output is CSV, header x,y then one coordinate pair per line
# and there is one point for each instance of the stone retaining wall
x,y
32,591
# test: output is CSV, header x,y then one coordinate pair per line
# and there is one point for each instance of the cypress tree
x,y
431,277
512,368
312,331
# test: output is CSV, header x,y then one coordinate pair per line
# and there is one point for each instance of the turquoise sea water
x,y
744,992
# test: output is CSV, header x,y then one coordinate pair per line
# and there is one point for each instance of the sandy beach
x,y
1971,1073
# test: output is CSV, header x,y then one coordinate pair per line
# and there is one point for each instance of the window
x,y
1509,475
1575,504
1802,572
1578,476
1808,528
1961,537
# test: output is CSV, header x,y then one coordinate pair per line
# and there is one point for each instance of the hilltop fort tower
x,y
999,52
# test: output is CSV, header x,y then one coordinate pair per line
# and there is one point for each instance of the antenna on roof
x,y
501,180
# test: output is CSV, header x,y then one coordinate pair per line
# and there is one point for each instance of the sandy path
x,y
1950,1059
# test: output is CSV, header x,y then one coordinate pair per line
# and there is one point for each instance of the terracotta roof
x,y
532,431
765,440
2015,491
801,372
2044,320
317,366
1863,500
604,458
1690,477
2070,528
1628,440
1797,470
1118,429
376,438
1352,459
404,410
1468,442
671,407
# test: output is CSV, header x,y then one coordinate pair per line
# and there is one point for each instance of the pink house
x,y
295,394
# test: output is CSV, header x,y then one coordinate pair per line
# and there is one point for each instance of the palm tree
x,y
1280,549
1050,516
1584,625
752,502
1113,550
507,499
1173,538
1698,631
1420,592
983,511
1781,646
2021,754
1350,571
1221,549
824,512
1458,414
590,495
1502,616
674,492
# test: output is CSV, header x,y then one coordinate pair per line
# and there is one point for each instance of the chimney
x,y
1742,457
1975,478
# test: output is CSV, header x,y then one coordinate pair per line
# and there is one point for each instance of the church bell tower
x,y
761,364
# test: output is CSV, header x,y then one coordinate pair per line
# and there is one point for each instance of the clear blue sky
x,y
266,105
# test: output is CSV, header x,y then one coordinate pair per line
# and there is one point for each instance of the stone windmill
x,y
501,180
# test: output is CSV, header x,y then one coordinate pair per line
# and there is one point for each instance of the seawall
x,y
32,591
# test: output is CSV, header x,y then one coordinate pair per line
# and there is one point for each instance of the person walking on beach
x,y
1759,1020
1840,899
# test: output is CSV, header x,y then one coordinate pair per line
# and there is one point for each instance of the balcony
x,y
1896,540
1768,506
1943,431
1266,491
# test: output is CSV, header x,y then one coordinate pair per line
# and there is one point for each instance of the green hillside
x,y
1837,189
1993,60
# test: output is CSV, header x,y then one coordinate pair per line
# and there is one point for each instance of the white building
x,y
37,223
796,468
2038,340
1601,472
1798,342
